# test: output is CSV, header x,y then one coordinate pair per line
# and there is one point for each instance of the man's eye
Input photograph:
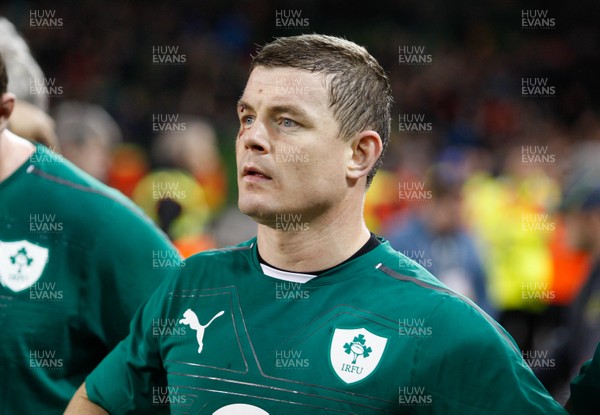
x,y
286,122
247,121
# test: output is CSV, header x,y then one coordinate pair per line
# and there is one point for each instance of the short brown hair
x,y
359,89
3,76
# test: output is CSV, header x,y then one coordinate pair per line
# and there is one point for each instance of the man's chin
x,y
258,212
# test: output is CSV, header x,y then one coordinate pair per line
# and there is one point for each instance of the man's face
x,y
289,156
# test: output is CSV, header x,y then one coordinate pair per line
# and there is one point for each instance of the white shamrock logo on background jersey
x,y
21,264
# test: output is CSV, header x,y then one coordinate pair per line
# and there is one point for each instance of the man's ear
x,y
7,104
365,148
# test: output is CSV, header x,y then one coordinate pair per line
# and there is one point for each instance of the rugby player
x,y
76,261
315,315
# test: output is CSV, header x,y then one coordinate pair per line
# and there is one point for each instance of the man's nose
x,y
256,137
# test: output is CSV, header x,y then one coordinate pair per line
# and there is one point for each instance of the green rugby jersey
x,y
585,387
76,260
375,335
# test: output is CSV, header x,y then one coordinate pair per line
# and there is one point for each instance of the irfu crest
x,y
354,354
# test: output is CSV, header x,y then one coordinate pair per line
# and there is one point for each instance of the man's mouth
x,y
254,174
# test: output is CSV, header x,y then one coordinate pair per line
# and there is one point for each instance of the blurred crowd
x,y
492,188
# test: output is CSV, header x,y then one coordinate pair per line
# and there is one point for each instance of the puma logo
x,y
191,319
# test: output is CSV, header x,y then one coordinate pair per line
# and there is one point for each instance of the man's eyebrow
x,y
242,103
277,109
289,109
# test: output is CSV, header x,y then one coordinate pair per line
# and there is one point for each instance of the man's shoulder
x,y
424,294
212,268
402,272
227,258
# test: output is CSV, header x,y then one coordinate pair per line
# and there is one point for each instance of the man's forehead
x,y
285,84
289,72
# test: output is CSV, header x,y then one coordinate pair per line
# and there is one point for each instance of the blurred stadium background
x,y
495,145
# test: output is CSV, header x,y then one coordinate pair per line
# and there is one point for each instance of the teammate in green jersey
x,y
76,260
585,388
315,315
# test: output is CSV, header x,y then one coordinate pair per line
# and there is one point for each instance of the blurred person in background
x,y
175,201
187,191
76,260
29,117
434,236
22,69
508,214
195,150
87,136
382,205
30,122
129,165
386,204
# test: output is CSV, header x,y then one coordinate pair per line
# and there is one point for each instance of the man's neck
x,y
14,151
327,241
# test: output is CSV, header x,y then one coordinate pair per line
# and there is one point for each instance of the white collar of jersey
x,y
286,275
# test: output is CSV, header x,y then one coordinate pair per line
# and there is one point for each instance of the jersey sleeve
x,y
131,258
127,380
585,387
479,371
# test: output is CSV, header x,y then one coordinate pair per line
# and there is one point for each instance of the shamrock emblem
x,y
358,348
